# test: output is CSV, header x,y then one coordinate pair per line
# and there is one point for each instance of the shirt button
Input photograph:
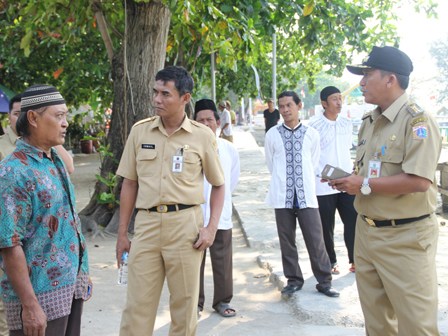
x,y
168,140
376,133
166,159
163,196
164,177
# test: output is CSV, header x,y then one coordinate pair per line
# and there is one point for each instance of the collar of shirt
x,y
186,125
289,128
392,111
33,152
12,136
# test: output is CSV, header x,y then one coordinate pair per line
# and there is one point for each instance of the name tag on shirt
x,y
177,163
149,146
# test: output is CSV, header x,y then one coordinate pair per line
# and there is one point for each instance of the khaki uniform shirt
x,y
7,144
408,149
148,159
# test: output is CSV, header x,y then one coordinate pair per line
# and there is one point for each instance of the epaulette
x,y
366,115
194,122
144,121
414,109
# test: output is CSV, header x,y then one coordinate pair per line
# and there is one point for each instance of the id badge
x,y
374,168
177,163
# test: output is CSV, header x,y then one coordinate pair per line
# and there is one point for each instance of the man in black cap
x,y
205,112
396,195
335,143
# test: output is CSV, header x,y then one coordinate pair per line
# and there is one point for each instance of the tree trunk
x,y
146,38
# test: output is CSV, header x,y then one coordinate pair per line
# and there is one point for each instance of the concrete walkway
x,y
258,224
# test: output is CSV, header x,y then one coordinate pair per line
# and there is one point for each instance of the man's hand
x,y
350,184
91,289
123,245
206,238
34,320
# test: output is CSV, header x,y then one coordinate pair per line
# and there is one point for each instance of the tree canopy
x,y
439,51
58,41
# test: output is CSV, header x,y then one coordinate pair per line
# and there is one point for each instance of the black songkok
x,y
40,95
327,92
205,104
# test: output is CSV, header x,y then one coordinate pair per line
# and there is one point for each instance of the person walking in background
x,y
221,250
396,196
43,251
226,129
292,154
232,113
163,165
335,143
271,116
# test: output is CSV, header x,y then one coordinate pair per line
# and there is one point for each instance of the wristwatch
x,y
365,188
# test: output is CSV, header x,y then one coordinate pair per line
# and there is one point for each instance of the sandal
x,y
335,270
352,268
222,308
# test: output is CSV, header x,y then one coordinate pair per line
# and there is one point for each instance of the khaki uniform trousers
x,y
228,138
4,331
163,246
396,277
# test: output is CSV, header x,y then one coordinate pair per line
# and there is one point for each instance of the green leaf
x,y
226,8
308,9
26,40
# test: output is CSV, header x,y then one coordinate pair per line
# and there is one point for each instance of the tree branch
x,y
96,7
115,31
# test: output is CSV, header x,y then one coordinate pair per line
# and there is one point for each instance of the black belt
x,y
168,208
392,222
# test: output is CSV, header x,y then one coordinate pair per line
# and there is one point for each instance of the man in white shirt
x,y
226,120
292,154
221,250
335,143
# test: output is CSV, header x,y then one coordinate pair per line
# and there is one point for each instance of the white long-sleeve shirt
x,y
226,119
230,161
292,157
335,144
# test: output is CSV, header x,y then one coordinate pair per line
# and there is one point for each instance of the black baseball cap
x,y
384,58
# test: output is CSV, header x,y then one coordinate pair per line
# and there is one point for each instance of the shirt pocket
x,y
146,162
391,162
191,167
360,153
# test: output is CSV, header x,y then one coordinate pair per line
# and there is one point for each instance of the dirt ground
x,y
260,308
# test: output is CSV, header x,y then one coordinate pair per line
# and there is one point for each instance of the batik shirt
x,y
37,212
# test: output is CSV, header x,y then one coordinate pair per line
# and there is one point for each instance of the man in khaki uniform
x,y
8,141
396,195
162,165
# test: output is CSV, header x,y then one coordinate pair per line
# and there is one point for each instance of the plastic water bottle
x,y
123,270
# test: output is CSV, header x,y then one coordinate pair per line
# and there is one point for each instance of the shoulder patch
x,y
366,115
414,109
144,121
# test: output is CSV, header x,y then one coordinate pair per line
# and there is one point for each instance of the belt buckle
x,y
162,208
370,221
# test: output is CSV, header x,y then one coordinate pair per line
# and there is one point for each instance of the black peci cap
x,y
205,104
385,58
